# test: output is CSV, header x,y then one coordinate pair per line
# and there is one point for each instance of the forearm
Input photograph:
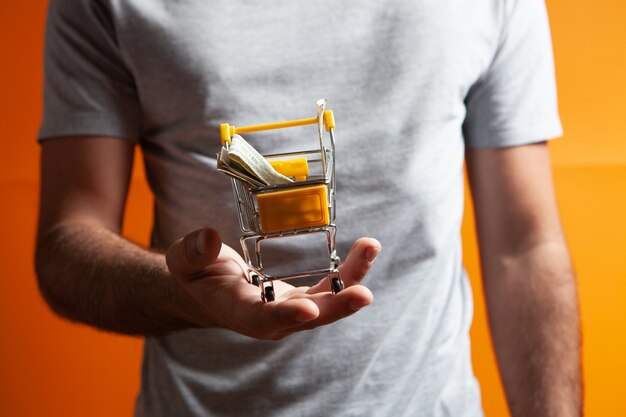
x,y
91,275
533,313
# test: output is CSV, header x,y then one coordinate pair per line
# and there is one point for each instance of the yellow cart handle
x,y
227,131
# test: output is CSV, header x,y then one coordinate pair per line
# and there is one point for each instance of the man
x,y
417,88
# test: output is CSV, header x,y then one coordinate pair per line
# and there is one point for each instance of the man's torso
x,y
396,74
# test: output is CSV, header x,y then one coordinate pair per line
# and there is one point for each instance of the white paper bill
x,y
254,165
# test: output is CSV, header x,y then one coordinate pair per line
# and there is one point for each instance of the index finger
x,y
356,266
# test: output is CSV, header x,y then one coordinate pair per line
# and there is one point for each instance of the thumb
x,y
189,256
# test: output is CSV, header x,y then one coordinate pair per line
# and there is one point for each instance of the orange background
x,y
53,368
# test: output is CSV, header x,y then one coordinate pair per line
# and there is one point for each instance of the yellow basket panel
x,y
297,167
298,208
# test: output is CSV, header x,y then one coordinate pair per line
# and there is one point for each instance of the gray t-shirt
x,y
411,84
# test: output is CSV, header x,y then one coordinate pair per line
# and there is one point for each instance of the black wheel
x,y
269,295
255,280
336,284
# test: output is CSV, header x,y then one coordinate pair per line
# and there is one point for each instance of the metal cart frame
x,y
249,210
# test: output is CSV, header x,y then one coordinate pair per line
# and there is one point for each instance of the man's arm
x,y
528,280
88,273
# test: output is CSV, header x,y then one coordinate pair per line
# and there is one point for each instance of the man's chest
x,y
198,63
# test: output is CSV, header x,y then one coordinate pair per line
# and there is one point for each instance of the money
x,y
243,162
321,105
232,169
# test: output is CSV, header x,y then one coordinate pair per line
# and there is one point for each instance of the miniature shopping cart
x,y
306,205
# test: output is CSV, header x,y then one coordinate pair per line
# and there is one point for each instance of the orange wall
x,y
54,368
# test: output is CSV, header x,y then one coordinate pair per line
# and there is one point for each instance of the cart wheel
x,y
255,280
268,295
336,284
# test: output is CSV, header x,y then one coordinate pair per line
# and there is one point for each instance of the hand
x,y
215,276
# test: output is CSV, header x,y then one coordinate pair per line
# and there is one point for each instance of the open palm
x,y
214,275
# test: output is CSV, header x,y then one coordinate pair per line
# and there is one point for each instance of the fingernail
x,y
371,254
303,317
200,243
356,305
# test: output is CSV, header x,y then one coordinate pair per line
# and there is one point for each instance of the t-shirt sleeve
x,y
88,89
514,102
